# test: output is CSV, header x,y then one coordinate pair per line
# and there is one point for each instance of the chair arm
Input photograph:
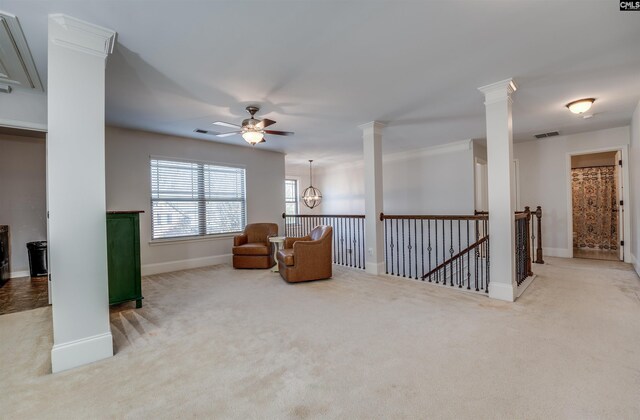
x,y
288,242
240,239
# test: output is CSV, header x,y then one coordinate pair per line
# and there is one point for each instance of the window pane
x,y
291,208
290,190
172,219
223,217
193,198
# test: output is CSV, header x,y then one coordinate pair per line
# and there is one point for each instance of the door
x,y
619,195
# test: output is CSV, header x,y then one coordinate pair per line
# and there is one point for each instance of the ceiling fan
x,y
252,129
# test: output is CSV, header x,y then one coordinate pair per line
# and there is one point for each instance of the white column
x,y
374,235
76,191
501,189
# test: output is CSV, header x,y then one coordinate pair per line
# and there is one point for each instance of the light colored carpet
x,y
224,343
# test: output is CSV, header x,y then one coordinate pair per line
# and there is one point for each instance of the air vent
x,y
197,130
16,63
549,134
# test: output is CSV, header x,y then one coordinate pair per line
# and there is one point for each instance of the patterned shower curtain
x,y
595,209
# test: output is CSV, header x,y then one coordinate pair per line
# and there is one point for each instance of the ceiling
x,y
321,68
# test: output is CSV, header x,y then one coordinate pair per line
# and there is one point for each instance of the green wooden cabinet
x,y
123,257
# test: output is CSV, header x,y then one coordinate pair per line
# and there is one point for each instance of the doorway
x,y
596,197
23,220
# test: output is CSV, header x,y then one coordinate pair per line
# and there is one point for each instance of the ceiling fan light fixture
x,y
253,137
581,105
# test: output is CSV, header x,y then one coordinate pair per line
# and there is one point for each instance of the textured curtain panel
x,y
595,209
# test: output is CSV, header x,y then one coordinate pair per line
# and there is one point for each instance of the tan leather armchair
x,y
252,248
307,258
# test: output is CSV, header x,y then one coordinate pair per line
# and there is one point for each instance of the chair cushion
x,y
255,248
286,256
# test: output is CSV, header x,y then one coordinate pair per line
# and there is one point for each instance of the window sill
x,y
175,241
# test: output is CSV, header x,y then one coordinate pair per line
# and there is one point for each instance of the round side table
x,y
278,242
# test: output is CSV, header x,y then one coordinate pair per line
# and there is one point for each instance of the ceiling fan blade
x,y
201,131
225,124
279,133
264,123
233,133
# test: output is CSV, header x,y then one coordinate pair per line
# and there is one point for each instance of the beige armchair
x,y
252,248
307,258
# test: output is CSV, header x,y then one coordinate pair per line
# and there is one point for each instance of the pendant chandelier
x,y
311,196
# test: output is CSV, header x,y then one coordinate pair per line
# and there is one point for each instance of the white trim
x,y
16,32
440,149
169,266
557,252
81,352
374,268
524,285
81,36
173,241
502,291
188,160
454,290
23,124
16,274
626,233
636,265
372,125
498,91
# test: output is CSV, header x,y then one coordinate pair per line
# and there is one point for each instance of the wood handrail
x,y
458,255
355,216
433,217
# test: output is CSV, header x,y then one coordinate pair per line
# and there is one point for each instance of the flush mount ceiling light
x,y
311,197
581,105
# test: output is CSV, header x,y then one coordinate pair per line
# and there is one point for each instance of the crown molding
x,y
498,91
82,36
373,126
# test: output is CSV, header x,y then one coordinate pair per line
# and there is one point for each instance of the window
x,y
196,199
291,196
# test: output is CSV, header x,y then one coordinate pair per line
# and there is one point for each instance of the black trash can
x,y
37,258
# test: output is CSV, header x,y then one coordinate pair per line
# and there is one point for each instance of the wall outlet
x,y
370,251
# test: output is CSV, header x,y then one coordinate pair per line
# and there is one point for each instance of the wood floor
x,y
23,293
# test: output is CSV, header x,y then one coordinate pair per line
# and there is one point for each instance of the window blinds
x,y
196,199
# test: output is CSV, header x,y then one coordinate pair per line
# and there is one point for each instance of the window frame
x,y
201,222
297,195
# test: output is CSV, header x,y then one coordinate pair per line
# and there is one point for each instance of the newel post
x,y
538,214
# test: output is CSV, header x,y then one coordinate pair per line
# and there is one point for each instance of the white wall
x,y
438,180
128,188
634,167
544,178
22,195
435,180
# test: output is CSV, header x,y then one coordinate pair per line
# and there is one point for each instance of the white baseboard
x,y
526,283
557,252
373,268
81,352
169,266
636,264
15,274
501,291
